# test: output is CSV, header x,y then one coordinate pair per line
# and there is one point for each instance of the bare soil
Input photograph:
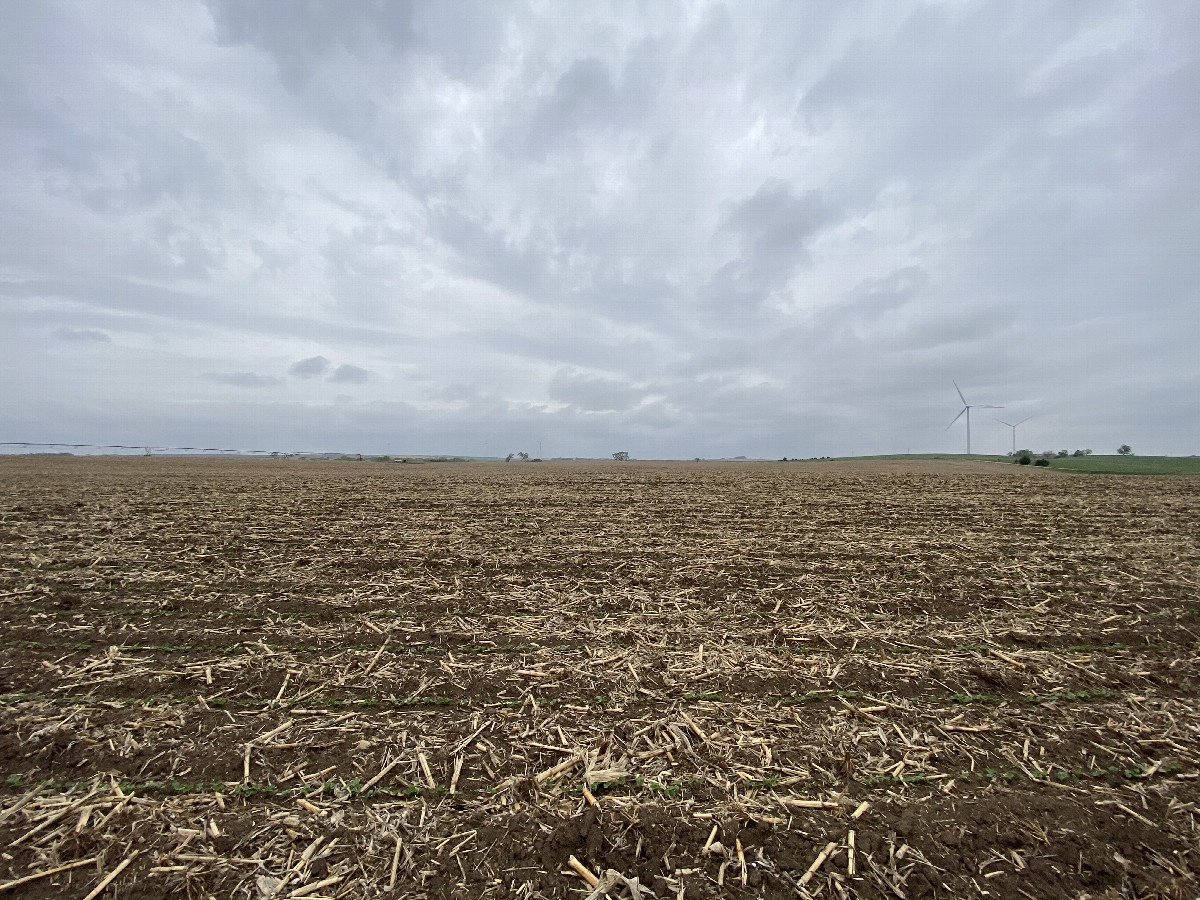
x,y
258,678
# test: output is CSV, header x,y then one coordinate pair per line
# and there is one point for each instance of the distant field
x,y
1097,465
952,457
1129,465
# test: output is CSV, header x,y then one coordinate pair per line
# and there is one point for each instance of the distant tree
x,y
1042,462
1025,459
1125,450
509,458
524,457
621,455
1061,454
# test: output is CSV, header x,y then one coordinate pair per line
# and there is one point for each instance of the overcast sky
x,y
697,229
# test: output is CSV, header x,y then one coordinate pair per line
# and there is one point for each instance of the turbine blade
x,y
987,406
960,396
956,418
1024,420
1009,424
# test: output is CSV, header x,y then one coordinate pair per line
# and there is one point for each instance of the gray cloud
x,y
86,335
347,374
312,367
771,229
462,38
593,393
775,229
874,297
243,379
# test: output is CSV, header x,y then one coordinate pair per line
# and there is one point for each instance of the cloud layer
x,y
678,229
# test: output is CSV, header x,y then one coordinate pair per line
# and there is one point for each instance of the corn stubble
x,y
277,679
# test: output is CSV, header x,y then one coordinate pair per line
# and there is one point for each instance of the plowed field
x,y
253,678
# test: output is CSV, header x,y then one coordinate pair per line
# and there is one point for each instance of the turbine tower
x,y
1013,426
967,407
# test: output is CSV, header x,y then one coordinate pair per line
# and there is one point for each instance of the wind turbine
x,y
1013,426
967,409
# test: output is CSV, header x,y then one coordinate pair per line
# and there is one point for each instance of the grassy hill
x,y
1129,465
953,457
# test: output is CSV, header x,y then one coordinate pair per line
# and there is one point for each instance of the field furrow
x,y
276,679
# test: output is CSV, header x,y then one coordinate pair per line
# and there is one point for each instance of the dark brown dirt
x,y
1000,662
